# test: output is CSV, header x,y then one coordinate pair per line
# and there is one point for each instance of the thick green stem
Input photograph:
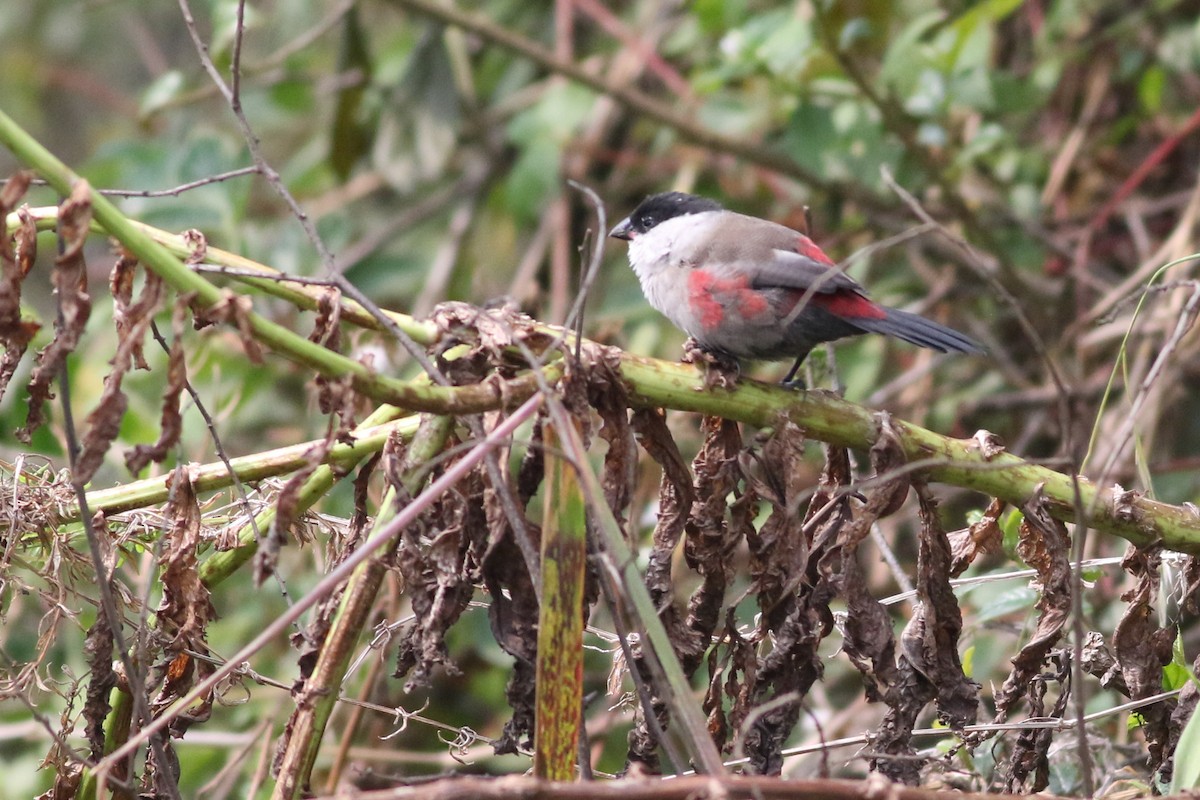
x,y
960,462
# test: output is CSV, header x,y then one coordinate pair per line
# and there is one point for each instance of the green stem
x,y
323,688
959,462
154,256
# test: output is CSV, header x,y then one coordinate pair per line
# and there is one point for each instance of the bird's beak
x,y
623,230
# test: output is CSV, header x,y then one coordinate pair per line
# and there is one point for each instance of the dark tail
x,y
920,331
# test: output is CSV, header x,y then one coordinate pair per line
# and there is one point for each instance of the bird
x,y
746,288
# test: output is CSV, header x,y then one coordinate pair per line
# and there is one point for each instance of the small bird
x,y
746,288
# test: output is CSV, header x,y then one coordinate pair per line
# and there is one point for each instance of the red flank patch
x,y
709,297
848,304
808,248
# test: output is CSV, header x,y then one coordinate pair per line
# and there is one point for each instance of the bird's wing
x,y
777,257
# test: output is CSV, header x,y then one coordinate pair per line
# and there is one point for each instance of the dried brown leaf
x,y
233,309
14,189
779,549
606,394
887,459
120,285
15,263
434,559
533,464
287,509
172,416
675,503
1044,545
513,616
869,641
675,498
1185,707
104,422
98,649
327,332
490,334
928,666
957,695
1031,750
794,594
1098,660
980,538
711,539
25,239
186,607
74,305
1142,648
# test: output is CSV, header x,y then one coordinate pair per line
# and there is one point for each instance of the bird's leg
x,y
790,381
720,369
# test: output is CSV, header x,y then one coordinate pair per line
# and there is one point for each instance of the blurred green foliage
x,y
1012,123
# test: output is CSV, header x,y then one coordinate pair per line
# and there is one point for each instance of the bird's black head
x,y
661,207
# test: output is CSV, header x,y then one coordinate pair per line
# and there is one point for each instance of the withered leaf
x,y
779,549
957,695
287,508
172,417
512,614
74,305
15,263
869,641
98,648
607,395
981,537
1044,545
433,559
887,458
1142,648
233,309
675,498
120,285
186,606
104,422
327,332
1031,751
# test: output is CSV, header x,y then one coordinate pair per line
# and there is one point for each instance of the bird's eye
x,y
647,220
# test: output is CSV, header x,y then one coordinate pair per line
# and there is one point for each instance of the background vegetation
x,y
1021,171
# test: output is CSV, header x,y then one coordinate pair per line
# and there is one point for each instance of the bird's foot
x,y
793,380
720,370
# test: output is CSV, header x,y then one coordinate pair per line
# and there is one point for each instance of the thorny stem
x,y
335,578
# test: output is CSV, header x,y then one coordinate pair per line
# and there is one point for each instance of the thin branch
x,y
254,145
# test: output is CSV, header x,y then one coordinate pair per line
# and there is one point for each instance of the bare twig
x,y
273,178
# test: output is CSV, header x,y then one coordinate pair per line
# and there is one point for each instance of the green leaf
x,y
1017,599
1010,523
905,55
1187,758
1178,672
980,18
160,93
419,128
1150,88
